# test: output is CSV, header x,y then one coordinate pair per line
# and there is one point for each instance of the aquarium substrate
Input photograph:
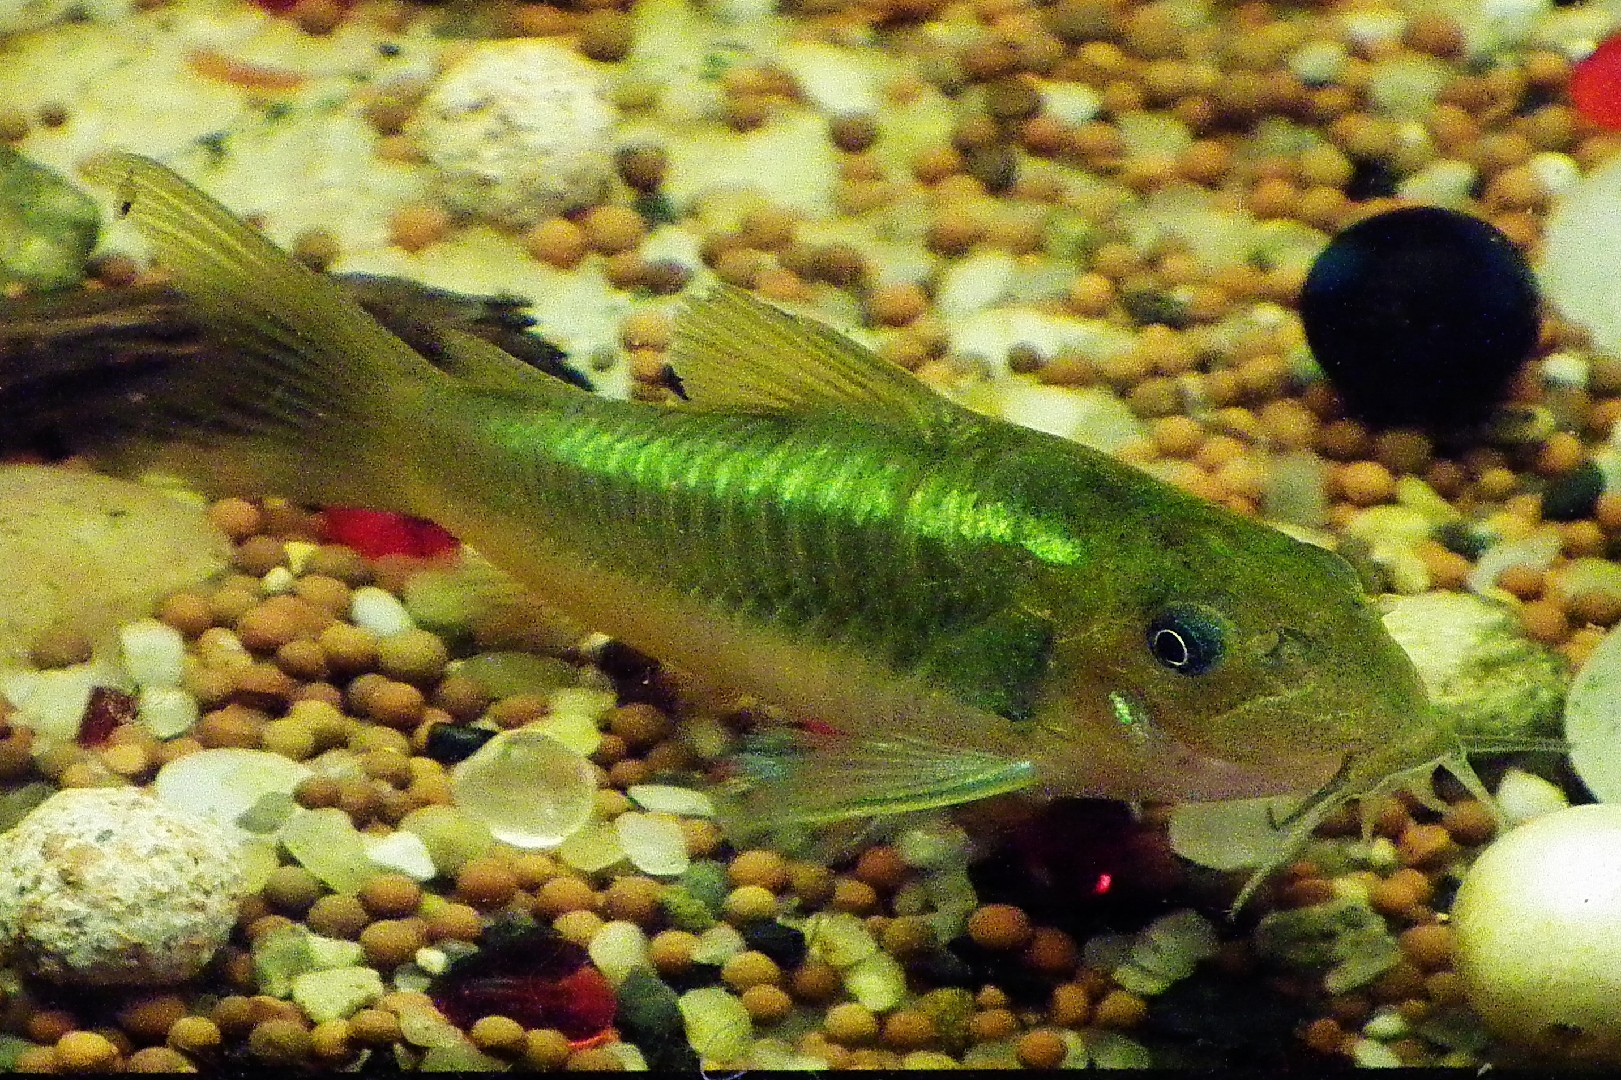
x,y
1092,216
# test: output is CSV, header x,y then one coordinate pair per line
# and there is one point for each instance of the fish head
x,y
1237,661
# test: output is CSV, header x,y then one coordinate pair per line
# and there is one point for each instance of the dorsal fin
x,y
733,351
482,363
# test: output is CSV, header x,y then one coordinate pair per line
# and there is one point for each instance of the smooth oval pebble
x,y
528,788
617,949
718,1026
506,674
451,836
655,845
670,799
326,843
592,848
1593,720
224,783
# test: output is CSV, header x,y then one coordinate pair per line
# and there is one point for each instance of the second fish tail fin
x,y
310,404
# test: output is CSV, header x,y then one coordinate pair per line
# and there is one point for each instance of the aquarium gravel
x,y
1095,217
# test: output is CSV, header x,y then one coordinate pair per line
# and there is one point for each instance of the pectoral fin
x,y
795,777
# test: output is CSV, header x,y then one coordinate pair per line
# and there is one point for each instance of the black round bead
x,y
1420,316
450,743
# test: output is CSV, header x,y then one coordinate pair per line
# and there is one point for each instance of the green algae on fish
x,y
975,607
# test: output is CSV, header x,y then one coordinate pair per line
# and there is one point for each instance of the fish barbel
x,y
978,607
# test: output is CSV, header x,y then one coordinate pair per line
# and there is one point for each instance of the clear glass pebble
x,y
530,790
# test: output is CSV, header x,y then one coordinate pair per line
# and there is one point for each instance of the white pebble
x,y
655,844
1142,981
223,783
337,993
1445,182
431,959
1386,1024
403,852
298,554
1318,63
52,702
1191,931
670,799
379,611
617,949
154,653
838,938
1373,26
878,982
592,848
938,845
975,283
1555,173
1522,796
1371,1054
1111,1050
165,711
574,717
278,581
1566,369
1072,103
718,1026
326,843
718,944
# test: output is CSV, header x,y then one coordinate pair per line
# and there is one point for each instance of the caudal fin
x,y
309,407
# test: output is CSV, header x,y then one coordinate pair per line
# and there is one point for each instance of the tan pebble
x,y
1424,845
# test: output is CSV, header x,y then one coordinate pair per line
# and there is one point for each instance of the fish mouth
x,y
1280,765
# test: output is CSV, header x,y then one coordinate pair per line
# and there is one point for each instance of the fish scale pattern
x,y
847,530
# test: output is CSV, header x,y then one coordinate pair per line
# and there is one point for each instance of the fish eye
x,y
1186,639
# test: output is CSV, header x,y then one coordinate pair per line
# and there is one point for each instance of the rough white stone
x,y
110,886
518,131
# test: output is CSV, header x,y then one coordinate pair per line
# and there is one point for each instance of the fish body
x,y
978,606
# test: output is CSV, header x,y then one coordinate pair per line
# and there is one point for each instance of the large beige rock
x,y
89,552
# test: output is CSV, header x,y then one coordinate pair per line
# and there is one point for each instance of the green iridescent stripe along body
x,y
917,552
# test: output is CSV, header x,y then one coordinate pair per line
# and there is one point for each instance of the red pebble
x,y
106,709
1595,85
539,980
375,533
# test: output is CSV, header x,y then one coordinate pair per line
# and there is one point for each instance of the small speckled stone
x,y
336,993
109,886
